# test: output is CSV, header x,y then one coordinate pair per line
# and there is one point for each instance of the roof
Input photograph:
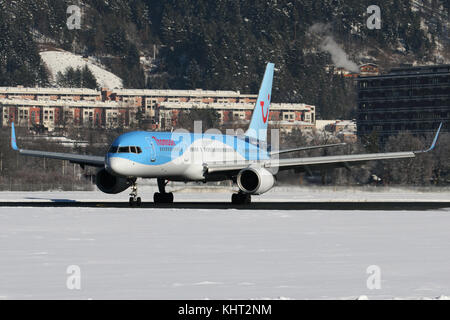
x,y
182,93
51,91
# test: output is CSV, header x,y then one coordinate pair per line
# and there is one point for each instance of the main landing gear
x,y
162,196
241,198
134,199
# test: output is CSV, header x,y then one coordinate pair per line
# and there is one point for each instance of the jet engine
x,y
111,184
255,180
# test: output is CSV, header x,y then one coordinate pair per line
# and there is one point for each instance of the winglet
x,y
13,137
436,137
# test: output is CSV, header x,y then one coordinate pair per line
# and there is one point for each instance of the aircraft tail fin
x,y
260,116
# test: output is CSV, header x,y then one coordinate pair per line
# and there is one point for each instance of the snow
x,y
196,193
225,254
59,61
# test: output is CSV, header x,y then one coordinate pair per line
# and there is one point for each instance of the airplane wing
x,y
311,163
93,161
306,148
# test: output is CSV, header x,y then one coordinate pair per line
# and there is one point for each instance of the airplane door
x,y
152,152
184,152
152,149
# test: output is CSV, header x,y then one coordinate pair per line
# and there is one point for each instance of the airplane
x,y
247,160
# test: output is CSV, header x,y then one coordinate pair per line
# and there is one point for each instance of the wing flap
x,y
306,148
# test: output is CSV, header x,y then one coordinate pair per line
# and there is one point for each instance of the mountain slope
x,y
59,61
225,44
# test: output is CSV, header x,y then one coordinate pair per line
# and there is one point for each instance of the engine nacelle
x,y
255,180
111,184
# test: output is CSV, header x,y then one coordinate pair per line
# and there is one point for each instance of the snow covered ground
x,y
59,61
236,254
196,193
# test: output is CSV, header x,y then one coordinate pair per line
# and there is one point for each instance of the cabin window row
x,y
127,149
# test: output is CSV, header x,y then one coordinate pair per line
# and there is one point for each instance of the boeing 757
x,y
246,159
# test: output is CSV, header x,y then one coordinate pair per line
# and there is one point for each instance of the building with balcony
x,y
158,109
414,99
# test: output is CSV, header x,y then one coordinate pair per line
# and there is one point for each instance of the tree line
x,y
429,169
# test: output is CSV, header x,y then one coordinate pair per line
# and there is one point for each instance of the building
x,y
369,69
157,109
365,70
414,99
61,113
344,129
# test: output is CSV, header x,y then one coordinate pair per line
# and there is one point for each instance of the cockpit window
x,y
127,149
113,149
124,149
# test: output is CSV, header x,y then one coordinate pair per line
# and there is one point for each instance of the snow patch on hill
x,y
59,61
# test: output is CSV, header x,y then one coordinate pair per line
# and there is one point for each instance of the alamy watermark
x,y
74,20
374,280
374,20
73,281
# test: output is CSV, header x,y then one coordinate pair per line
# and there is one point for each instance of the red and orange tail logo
x,y
265,116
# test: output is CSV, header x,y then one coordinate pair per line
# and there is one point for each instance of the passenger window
x,y
124,149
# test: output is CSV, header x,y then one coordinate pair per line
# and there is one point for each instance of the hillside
x,y
59,61
224,44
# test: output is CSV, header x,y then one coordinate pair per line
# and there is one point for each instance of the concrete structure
x,y
344,129
157,109
415,99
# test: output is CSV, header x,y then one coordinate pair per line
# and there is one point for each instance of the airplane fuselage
x,y
177,156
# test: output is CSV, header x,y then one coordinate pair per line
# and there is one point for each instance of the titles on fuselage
x,y
164,142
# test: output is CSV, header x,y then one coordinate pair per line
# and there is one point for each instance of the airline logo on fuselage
x,y
164,142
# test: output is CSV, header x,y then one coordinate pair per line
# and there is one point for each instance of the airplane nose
x,y
114,165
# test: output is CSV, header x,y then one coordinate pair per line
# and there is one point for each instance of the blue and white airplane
x,y
182,156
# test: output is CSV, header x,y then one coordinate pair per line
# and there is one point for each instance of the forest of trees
x,y
426,170
224,45
77,78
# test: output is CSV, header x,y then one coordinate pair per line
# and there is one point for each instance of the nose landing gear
x,y
134,199
162,196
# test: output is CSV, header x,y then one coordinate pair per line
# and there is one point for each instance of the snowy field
x,y
224,254
200,193
59,61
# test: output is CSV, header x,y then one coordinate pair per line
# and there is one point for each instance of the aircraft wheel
x,y
163,197
139,201
169,197
241,198
131,201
